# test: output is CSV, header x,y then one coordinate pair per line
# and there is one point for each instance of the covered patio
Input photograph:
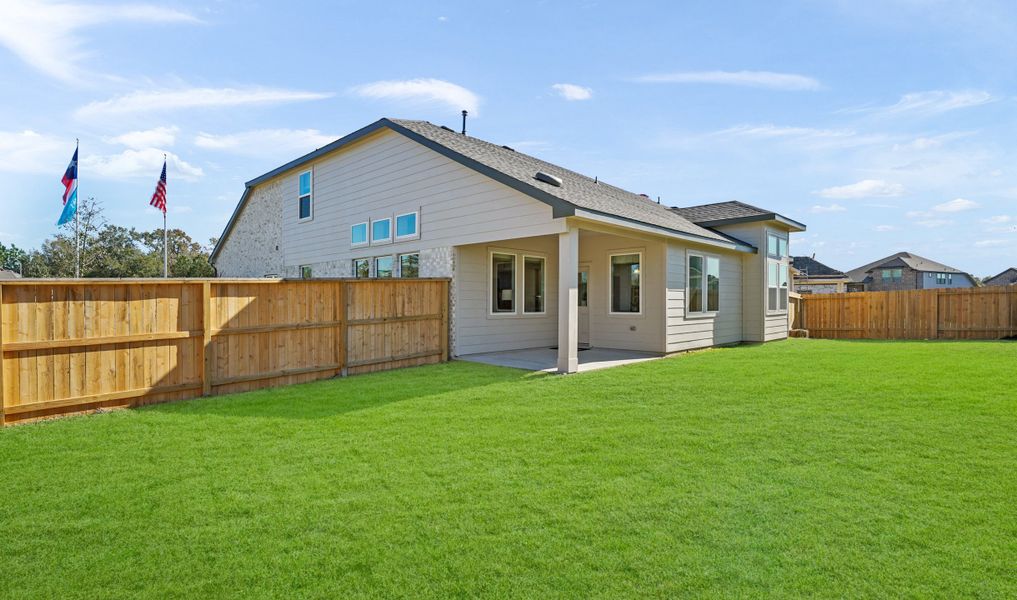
x,y
546,359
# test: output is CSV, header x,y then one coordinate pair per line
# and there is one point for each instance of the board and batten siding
x,y
724,327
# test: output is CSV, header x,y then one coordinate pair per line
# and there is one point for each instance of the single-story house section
x,y
1007,277
813,277
907,271
539,256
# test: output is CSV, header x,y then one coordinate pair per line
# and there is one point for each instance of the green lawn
x,y
849,469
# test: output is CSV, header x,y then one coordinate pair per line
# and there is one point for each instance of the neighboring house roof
x,y
730,213
518,171
902,260
1007,277
5,274
810,267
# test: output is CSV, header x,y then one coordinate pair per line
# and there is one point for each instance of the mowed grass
x,y
819,468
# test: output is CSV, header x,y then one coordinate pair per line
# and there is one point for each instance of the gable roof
x,y
1007,277
901,260
732,212
5,274
810,267
518,171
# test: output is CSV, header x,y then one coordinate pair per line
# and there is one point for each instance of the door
x,y
584,306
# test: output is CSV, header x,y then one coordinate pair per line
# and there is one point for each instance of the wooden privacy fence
x,y
76,345
985,313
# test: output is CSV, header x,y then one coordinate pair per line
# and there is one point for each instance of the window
x,y
383,266
358,235
503,279
625,285
776,246
409,265
361,268
305,271
584,288
406,226
381,231
892,274
777,286
704,283
304,210
533,284
944,278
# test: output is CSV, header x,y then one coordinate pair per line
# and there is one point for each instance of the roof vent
x,y
447,128
548,179
509,148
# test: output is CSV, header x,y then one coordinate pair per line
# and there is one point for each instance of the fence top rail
x,y
194,280
989,289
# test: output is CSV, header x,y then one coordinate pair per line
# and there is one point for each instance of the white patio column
x,y
568,301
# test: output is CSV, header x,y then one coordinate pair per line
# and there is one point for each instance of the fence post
x,y
444,320
344,330
3,392
206,338
934,334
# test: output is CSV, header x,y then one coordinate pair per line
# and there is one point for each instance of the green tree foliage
x,y
109,251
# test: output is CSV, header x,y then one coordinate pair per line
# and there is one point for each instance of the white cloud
x,y
32,152
819,208
133,163
955,205
998,219
933,223
45,34
571,91
442,19
159,137
866,188
265,142
422,91
934,102
884,228
808,138
990,243
760,79
173,99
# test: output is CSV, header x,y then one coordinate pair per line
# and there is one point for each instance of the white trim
x,y
310,196
781,264
367,235
610,281
704,285
382,241
416,223
543,276
730,245
490,283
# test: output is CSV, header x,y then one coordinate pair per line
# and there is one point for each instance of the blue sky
x,y
884,125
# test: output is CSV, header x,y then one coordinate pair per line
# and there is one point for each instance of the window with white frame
x,y
503,282
409,265
383,266
361,268
533,284
381,231
625,283
305,271
305,194
704,283
777,286
944,278
776,246
358,234
407,226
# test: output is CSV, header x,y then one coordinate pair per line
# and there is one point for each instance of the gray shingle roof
x,y
903,259
576,189
1007,277
720,211
811,267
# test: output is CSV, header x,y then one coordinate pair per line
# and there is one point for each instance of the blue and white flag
x,y
70,181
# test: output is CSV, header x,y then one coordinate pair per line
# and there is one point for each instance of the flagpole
x,y
77,235
165,237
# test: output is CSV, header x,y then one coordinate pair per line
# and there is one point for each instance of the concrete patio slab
x,y
546,359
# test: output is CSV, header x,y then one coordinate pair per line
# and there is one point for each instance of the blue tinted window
x,y
305,183
358,234
305,207
406,225
381,230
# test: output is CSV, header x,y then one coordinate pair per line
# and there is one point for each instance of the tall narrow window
x,y
712,284
695,283
409,265
584,288
383,266
784,289
773,268
625,283
305,209
361,268
406,226
381,231
503,283
358,235
533,284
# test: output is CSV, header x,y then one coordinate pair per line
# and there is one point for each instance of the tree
x,y
12,258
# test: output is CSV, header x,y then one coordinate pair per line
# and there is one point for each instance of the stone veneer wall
x,y
253,249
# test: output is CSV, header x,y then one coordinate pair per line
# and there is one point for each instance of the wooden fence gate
x,y
985,313
76,345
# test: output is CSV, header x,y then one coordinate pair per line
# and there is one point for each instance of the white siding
x,y
759,324
725,327
479,331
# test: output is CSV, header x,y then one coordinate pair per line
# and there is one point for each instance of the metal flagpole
x,y
77,235
165,235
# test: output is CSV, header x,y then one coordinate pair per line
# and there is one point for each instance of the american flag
x,y
159,197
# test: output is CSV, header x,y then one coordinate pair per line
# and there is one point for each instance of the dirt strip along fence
x,y
985,313
78,345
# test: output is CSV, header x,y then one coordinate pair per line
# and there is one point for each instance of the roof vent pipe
x,y
464,122
548,178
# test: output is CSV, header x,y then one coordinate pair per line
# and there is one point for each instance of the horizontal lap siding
x,y
701,332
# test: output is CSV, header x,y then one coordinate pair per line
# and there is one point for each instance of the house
x,y
6,274
813,277
539,256
907,271
1007,277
